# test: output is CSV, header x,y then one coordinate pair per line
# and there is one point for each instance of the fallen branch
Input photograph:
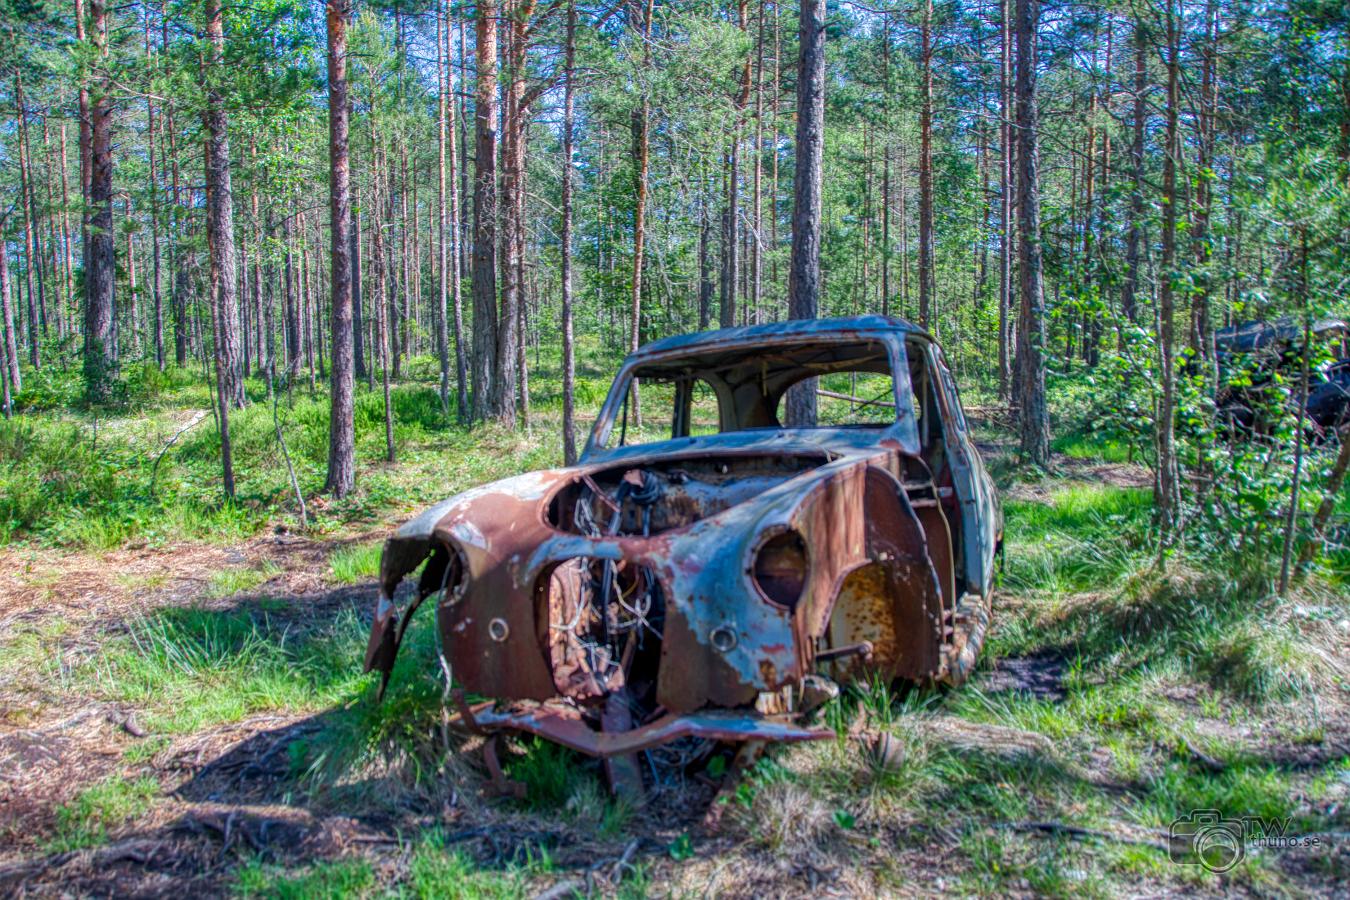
x,y
285,453
1209,762
562,890
154,469
135,849
1076,831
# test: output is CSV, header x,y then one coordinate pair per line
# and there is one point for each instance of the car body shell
x,y
891,535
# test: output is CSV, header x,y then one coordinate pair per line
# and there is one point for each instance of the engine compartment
x,y
670,494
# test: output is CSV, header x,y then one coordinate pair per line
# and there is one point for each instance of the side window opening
x,y
669,408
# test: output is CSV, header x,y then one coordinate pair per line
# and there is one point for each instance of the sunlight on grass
x,y
1084,537
226,582
354,563
85,821
192,667
334,880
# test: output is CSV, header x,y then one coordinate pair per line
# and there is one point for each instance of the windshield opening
x,y
743,390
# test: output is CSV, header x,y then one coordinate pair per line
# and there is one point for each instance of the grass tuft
x,y
354,563
86,820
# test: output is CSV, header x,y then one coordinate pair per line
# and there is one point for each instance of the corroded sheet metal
x,y
565,727
553,583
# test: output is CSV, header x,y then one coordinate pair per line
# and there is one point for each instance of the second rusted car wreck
x,y
706,574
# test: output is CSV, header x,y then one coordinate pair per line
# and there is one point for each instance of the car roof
x,y
1248,336
856,326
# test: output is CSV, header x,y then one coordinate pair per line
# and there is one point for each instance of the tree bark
x,y
1005,250
1167,490
341,427
100,251
641,162
1134,240
927,282
155,288
11,344
444,253
456,232
568,349
804,272
1033,417
32,269
220,239
485,396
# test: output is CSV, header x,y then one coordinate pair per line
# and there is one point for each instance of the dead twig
x,y
1209,762
1076,831
562,890
154,469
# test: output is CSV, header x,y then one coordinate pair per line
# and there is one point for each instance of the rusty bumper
x,y
563,725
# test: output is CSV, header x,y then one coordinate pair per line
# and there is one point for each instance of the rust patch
x,y
649,595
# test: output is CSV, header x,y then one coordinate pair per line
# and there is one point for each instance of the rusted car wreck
x,y
713,584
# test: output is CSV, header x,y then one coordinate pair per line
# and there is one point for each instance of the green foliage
x,y
86,820
190,668
335,880
355,563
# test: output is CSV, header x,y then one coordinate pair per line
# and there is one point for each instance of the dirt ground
x,y
225,795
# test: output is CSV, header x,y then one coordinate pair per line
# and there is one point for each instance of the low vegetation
x,y
204,696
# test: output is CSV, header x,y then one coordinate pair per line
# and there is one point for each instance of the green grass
x,y
334,880
1159,660
435,869
86,820
1082,445
226,582
190,668
438,869
355,563
71,476
1083,537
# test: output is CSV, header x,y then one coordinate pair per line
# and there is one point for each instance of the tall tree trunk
x,y
1134,241
886,166
11,344
1167,490
568,348
456,232
485,396
53,244
220,238
804,272
444,253
68,259
641,161
757,232
1033,415
1005,249
384,306
178,257
291,304
341,425
515,125
155,285
705,279
133,311
927,283
1202,330
31,269
100,250
9,364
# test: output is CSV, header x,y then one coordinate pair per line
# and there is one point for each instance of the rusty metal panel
x,y
684,590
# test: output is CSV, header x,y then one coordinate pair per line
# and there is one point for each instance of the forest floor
x,y
186,716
